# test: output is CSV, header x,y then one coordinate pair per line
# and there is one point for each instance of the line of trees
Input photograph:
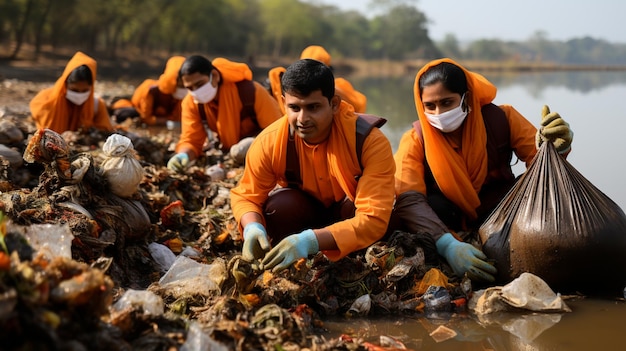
x,y
263,28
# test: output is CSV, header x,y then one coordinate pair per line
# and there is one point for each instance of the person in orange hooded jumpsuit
x,y
213,93
339,205
447,178
155,101
70,105
343,88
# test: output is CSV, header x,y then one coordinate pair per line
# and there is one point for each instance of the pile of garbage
x,y
103,248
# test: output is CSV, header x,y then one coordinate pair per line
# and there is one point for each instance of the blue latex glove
x,y
178,162
464,257
554,129
291,249
255,242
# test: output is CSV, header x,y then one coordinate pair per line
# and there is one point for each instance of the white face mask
x,y
180,93
77,98
205,93
449,120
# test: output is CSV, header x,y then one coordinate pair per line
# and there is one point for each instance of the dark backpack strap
x,y
498,141
202,113
364,125
292,169
247,92
154,92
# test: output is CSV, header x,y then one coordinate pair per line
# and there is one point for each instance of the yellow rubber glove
x,y
554,129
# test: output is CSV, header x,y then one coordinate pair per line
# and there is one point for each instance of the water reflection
x,y
593,324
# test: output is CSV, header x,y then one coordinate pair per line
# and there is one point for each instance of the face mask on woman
x,y
77,98
449,120
205,93
180,93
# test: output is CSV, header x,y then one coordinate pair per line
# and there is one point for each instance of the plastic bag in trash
x,y
557,225
187,277
147,301
50,240
528,292
162,255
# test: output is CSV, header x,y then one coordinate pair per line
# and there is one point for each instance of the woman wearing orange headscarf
x,y
70,104
156,101
453,166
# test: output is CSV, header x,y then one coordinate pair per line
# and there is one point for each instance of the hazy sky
x,y
517,20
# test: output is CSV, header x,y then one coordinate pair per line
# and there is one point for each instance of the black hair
x,y
80,74
450,75
306,76
196,64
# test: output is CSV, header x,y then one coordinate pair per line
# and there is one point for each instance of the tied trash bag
x,y
120,166
557,225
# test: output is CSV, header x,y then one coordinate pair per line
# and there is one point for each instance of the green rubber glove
x,y
291,249
554,129
178,162
255,242
464,257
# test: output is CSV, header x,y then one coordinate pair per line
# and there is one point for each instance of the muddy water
x,y
593,324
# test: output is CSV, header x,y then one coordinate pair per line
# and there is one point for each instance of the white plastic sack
x,y
120,166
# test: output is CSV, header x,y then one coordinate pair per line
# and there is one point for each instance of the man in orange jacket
x,y
329,197
223,94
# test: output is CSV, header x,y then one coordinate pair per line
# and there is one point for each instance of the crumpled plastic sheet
x,y
527,293
188,277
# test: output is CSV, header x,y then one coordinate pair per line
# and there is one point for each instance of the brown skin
x,y
312,118
436,99
192,82
79,87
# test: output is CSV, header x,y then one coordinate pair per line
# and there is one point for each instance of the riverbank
x,y
134,67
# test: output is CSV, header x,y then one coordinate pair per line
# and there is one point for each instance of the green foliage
x,y
276,28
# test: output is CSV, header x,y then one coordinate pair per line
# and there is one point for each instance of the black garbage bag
x,y
557,225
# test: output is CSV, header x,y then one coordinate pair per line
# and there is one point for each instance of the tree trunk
x,y
40,25
22,29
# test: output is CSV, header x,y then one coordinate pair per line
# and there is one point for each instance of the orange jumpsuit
x,y
223,112
50,109
328,173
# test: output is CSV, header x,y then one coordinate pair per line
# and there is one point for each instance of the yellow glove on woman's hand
x,y
554,129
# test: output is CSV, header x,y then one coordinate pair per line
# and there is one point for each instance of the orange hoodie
x,y
224,112
50,109
328,173
165,105
346,91
459,174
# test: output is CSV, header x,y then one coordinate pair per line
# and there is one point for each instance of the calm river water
x,y
594,104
